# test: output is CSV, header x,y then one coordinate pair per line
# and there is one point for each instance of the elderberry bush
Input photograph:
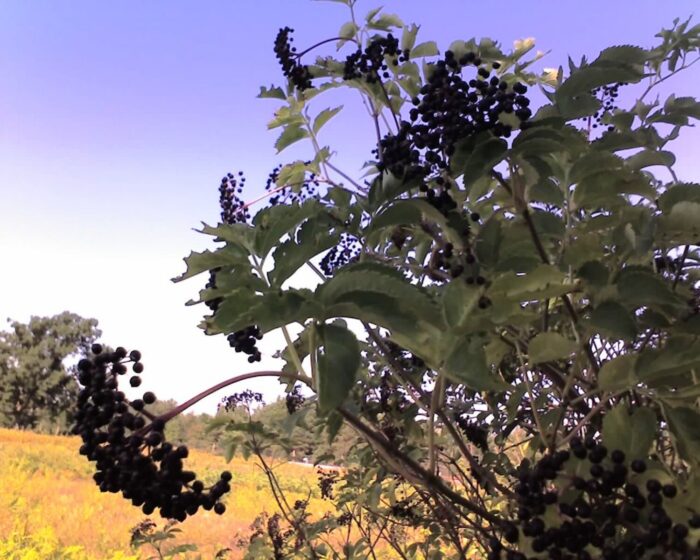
x,y
128,445
594,509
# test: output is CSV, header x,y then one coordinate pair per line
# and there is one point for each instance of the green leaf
x,y
641,287
622,55
549,346
680,192
476,156
408,37
292,133
587,78
385,22
324,116
618,374
458,301
347,31
387,186
373,12
632,433
352,280
207,260
429,48
466,363
682,224
545,281
649,158
657,366
684,423
613,320
272,223
488,242
312,239
337,365
271,93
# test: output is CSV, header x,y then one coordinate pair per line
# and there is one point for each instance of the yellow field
x,y
50,509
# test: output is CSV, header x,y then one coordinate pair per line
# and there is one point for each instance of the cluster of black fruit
x,y
233,208
291,194
294,399
604,515
371,64
296,72
326,481
607,95
247,398
128,445
345,252
244,341
476,433
448,109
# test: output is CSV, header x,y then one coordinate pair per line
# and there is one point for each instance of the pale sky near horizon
x,y
118,119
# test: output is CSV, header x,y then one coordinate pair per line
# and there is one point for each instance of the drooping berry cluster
x,y
602,514
128,444
346,252
233,208
245,341
607,95
294,399
290,194
246,398
296,72
371,64
448,109
326,481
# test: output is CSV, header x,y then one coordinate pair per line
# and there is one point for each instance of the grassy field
x,y
50,509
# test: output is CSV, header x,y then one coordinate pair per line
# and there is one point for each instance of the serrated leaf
x,y
312,239
659,366
428,48
623,54
466,363
408,37
385,22
291,134
550,346
409,297
387,186
545,281
271,93
272,223
347,31
640,287
649,158
488,242
631,433
684,423
324,116
680,192
476,156
458,301
618,374
337,365
207,260
587,78
613,320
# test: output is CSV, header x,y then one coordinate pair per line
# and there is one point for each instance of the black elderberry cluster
x,y
233,208
245,341
294,399
247,398
326,482
291,194
128,444
608,95
448,109
347,251
600,514
296,72
372,63
476,433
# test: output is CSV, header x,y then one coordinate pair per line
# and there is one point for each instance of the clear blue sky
x,y
117,120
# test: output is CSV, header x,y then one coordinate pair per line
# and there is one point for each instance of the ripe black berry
x,y
134,381
149,397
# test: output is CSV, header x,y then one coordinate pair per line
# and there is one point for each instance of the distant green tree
x,y
37,386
